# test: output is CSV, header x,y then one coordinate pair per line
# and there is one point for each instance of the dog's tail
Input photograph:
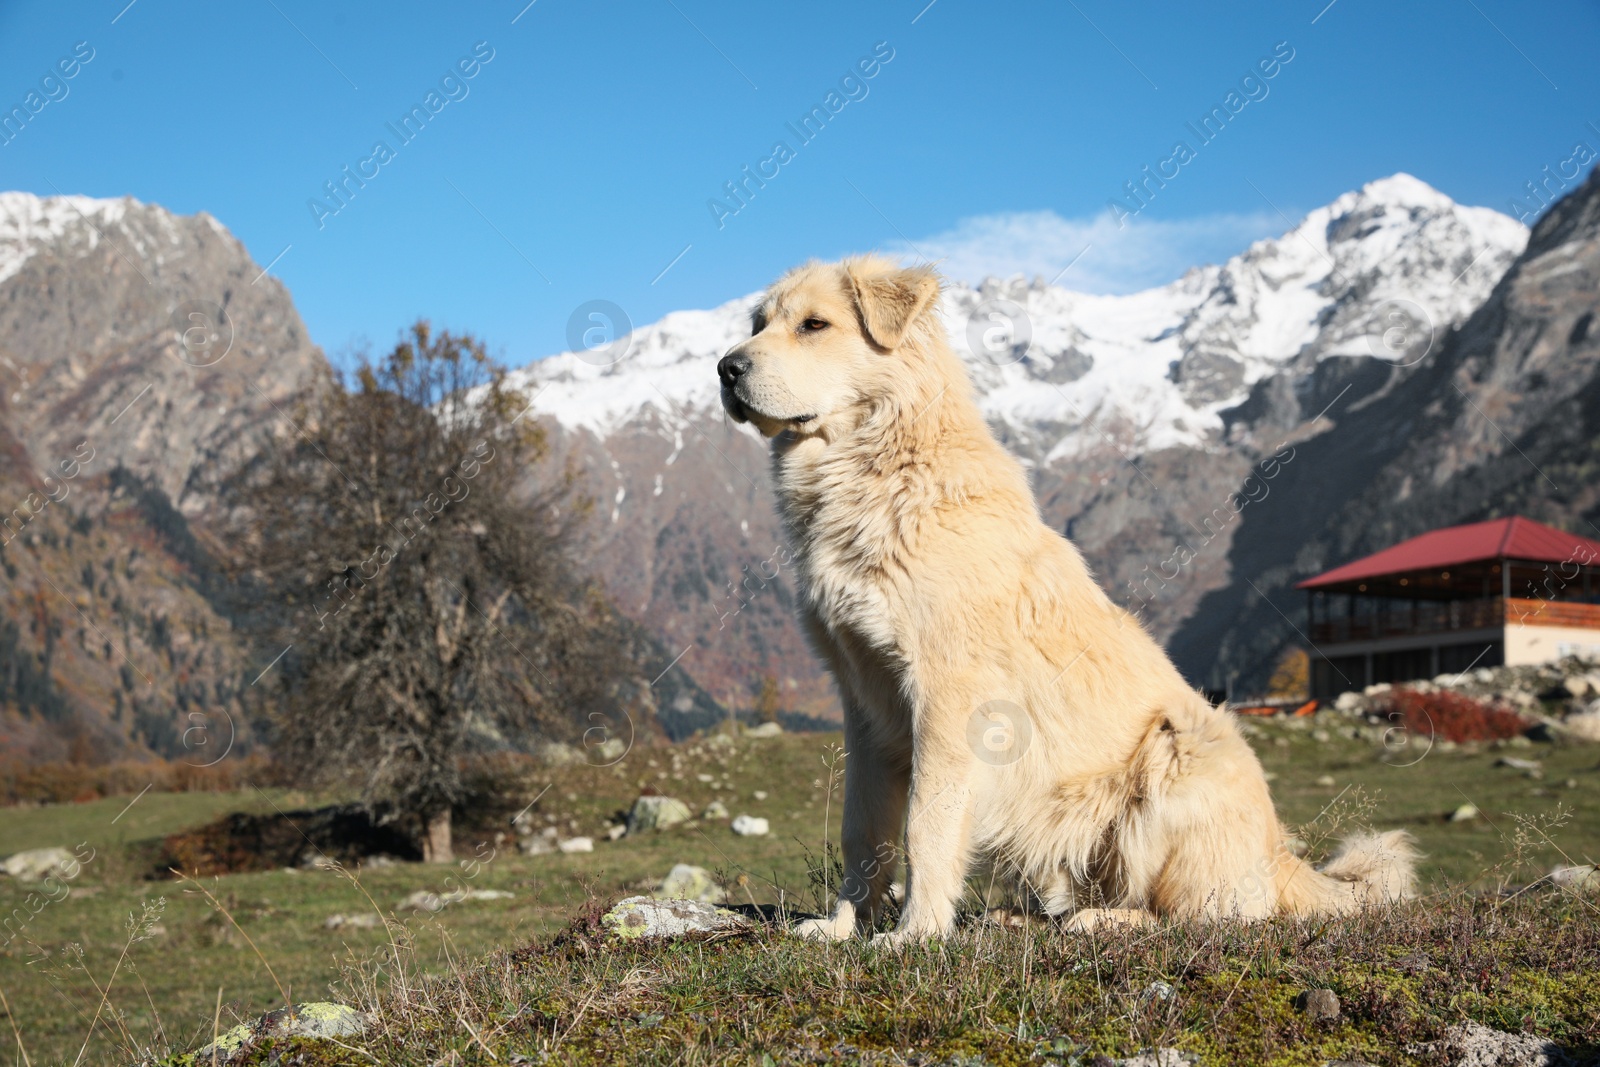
x,y
1368,869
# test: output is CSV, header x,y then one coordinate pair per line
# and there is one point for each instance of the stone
x,y
577,844
656,813
715,810
1348,702
686,882
1584,726
34,864
360,921
1325,780
750,826
1475,1045
559,754
1297,845
1158,990
1465,813
644,917
1577,686
1321,737
1584,876
1319,1005
427,900
1531,767
317,1019
1161,1057
766,729
615,832
759,794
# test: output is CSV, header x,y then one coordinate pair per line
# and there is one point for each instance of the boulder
x,y
1475,1045
656,813
686,882
750,826
35,864
638,917
1583,876
318,1019
1318,1005
1584,726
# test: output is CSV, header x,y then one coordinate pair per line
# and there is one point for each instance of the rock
x,y
1158,990
1584,876
759,794
614,833
1348,702
577,844
1161,1057
1476,1045
608,752
35,864
1297,845
1483,675
1584,726
1321,737
1374,690
1531,767
715,810
1319,1005
750,826
421,900
766,729
318,1019
1325,780
1519,742
1465,813
656,813
644,917
686,882
365,920
426,900
1577,686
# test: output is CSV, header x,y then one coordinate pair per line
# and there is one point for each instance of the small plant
x,y
1450,716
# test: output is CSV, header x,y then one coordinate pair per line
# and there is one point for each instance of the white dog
x,y
997,704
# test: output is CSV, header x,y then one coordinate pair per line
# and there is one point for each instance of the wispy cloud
x,y
1142,254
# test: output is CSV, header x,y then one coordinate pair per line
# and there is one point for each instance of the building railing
x,y
1431,617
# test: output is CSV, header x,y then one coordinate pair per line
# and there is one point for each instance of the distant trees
x,y
427,596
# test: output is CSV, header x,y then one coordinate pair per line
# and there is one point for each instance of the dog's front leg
x,y
874,808
938,834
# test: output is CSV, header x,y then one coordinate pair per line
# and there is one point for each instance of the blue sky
x,y
579,161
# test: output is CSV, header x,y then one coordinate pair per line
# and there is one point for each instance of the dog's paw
x,y
823,929
1091,919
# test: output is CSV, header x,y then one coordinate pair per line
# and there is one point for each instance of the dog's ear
x,y
888,302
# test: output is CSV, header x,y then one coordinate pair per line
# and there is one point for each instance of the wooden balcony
x,y
1440,617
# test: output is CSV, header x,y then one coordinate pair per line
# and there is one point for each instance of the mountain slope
x,y
1503,417
1140,417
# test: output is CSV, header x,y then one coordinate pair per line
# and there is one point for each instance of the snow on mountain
x,y
1378,272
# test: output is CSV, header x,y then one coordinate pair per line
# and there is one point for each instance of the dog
x,y
997,705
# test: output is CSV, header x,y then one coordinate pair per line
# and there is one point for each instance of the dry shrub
x,y
1451,716
67,783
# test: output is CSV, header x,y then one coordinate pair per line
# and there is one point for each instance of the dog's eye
x,y
813,325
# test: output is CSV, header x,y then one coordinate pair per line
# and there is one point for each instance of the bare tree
x,y
430,599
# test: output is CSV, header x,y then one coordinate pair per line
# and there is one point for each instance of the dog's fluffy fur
x,y
997,704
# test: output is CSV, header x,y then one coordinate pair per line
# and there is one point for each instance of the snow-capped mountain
x,y
1139,414
1167,361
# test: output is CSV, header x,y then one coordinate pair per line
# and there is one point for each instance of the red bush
x,y
1450,716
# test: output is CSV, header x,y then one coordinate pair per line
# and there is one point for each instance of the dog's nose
x,y
733,366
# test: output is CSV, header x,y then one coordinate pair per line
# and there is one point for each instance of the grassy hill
x,y
485,980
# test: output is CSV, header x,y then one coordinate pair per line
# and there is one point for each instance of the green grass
x,y
732,1000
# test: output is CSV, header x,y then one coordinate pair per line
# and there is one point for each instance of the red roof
x,y
1513,538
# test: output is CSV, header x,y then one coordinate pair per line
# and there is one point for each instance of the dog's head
x,y
825,340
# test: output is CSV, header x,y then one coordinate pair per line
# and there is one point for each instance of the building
x,y
1508,591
